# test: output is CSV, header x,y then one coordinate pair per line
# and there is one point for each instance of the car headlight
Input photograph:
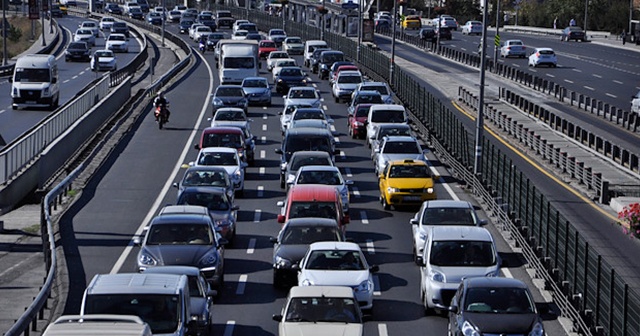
x,y
280,81
437,276
469,330
344,192
283,166
304,81
282,262
306,282
358,124
537,330
238,173
208,259
217,102
389,100
45,91
147,259
392,190
428,190
222,222
365,286
290,178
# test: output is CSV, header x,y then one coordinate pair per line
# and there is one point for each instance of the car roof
x,y
218,150
179,270
400,138
206,168
388,107
321,291
222,130
457,233
334,245
311,221
546,49
448,204
494,282
319,168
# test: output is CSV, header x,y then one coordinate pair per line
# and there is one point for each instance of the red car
x,y
357,118
223,136
265,47
341,68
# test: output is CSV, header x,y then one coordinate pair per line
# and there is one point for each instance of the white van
x,y
309,47
385,114
98,325
161,300
237,62
35,82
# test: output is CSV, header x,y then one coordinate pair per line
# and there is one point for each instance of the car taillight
x,y
537,54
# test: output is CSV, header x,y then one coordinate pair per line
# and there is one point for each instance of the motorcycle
x,y
202,47
162,116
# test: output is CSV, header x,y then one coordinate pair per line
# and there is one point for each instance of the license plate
x,y
412,198
30,102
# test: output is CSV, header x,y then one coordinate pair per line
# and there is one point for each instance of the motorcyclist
x,y
163,103
202,42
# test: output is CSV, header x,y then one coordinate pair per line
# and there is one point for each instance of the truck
x,y
238,61
35,82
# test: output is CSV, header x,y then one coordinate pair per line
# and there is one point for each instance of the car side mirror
x,y
414,221
420,261
281,219
223,241
278,151
277,317
54,80
284,97
212,293
196,146
235,207
453,309
483,222
330,121
137,241
376,150
175,184
244,164
280,204
273,240
374,269
348,182
381,176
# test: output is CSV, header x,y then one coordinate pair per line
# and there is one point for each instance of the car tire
x,y
282,182
337,100
240,192
427,311
277,280
385,205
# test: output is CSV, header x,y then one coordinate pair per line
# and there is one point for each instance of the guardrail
x,y
7,70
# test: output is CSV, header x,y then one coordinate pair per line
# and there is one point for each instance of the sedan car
x,y
206,176
201,31
337,67
313,113
113,8
344,85
85,35
229,114
239,34
277,35
329,175
441,212
363,97
221,208
543,56
257,90
265,47
106,22
183,240
382,88
229,96
339,264
302,95
77,51
213,38
136,13
92,26
281,63
290,77
496,306
385,130
393,148
445,33
274,56
406,182
185,24
292,243
117,43
248,150
573,33
472,28
304,158
120,28
513,48
227,158
287,112
428,34
154,18
356,119
174,16
293,45
104,60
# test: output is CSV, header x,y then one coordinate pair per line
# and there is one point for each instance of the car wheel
x,y
337,100
277,279
282,182
240,192
427,311
385,205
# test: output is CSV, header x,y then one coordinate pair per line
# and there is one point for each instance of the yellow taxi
x,y
412,22
406,182
63,8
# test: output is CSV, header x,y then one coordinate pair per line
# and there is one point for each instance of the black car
x,y
154,18
56,11
78,51
220,206
120,28
135,13
185,24
213,38
445,33
428,34
327,58
494,306
293,241
113,8
315,59
208,21
290,77
573,33
382,26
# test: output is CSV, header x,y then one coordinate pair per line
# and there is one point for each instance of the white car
x,y
229,114
106,22
275,56
192,29
513,48
180,8
635,103
85,35
302,95
238,23
117,43
240,34
543,56
227,158
345,84
287,112
277,35
279,64
201,31
338,264
293,45
472,28
92,26
394,148
384,130
103,60
382,87
328,175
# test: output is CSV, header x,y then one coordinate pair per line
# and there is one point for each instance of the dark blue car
x,y
154,18
290,77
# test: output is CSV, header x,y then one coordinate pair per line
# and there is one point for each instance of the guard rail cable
x,y
7,70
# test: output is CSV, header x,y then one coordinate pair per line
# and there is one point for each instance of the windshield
x,y
229,92
303,94
114,37
268,44
448,216
307,143
291,72
362,111
275,54
303,235
322,309
349,79
308,114
103,54
313,209
332,57
368,99
83,32
328,177
161,312
335,260
180,234
380,88
230,115
462,253
393,131
255,83
498,301
218,159
224,14
409,172
239,62
77,45
294,40
401,147
309,161
276,32
205,178
388,116
231,140
212,201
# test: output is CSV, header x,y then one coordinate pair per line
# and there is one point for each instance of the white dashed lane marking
x,y
242,284
347,171
262,170
355,192
370,248
263,139
228,329
252,246
260,191
264,127
263,154
363,217
256,216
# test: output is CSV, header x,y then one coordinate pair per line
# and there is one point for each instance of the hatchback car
x,y
393,148
220,136
293,45
325,174
77,51
292,243
265,47
92,26
382,88
573,33
406,182
513,48
428,34
304,158
248,152
106,22
339,264
85,35
185,24
441,212
302,95
344,85
103,60
229,96
411,22
154,18
227,158
213,38
135,13
257,90
472,28
287,112
496,306
356,119
221,208
543,56
290,77
117,43
113,8
206,176
364,97
229,114
274,56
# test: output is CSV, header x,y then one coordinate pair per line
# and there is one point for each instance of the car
x,y
314,58
313,200
254,36
237,24
451,254
248,148
336,67
239,35
78,51
311,113
303,139
339,264
183,240
154,18
287,112
219,136
227,158
441,212
573,33
275,56
290,77
257,90
472,28
106,22
248,26
293,45
185,24
174,16
356,118
113,8
346,82
292,243
221,208
265,47
382,88
310,123
382,25
364,97
324,174
309,47
304,158
200,294
63,8
635,103
103,60
135,13
229,95
206,176
494,306
327,58
117,43
302,95
201,31
207,20
412,22
449,22
323,309
213,38
191,12
180,8
428,33
192,29
128,5
394,148
444,33
385,114
55,10
119,27
279,64
162,11
406,182
277,35
224,18
229,114
384,130
543,56
513,48
85,35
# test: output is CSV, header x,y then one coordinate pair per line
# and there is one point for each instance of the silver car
x,y
329,175
220,206
394,148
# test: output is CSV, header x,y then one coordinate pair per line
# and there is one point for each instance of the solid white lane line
x,y
228,329
242,284
347,172
260,191
256,216
370,248
324,107
252,246
363,217
263,154
355,191
343,155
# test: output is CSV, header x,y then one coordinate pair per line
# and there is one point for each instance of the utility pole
x,y
44,42
4,32
586,9
393,43
497,39
164,17
477,163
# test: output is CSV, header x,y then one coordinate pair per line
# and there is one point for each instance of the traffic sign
x,y
350,5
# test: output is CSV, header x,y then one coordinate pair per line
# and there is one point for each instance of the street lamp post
x,y
496,44
4,33
44,42
477,163
586,8
359,30
324,22
164,17
393,43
